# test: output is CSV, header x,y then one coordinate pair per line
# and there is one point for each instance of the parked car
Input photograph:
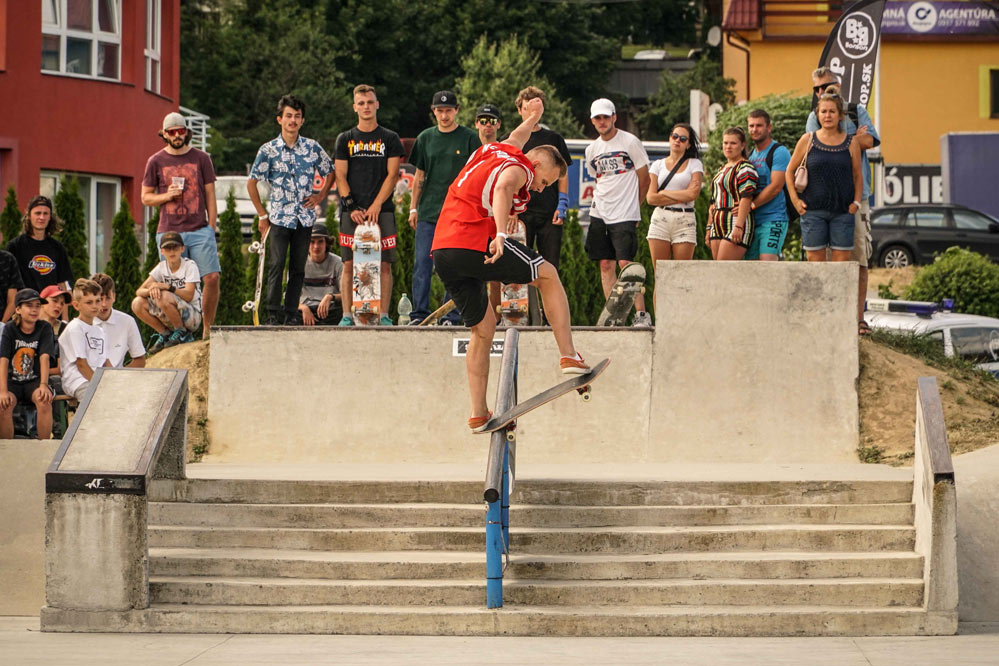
x,y
972,337
223,184
907,235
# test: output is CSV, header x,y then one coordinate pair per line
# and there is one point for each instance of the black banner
x,y
851,50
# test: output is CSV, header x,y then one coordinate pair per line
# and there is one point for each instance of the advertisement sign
x,y
912,184
851,50
940,18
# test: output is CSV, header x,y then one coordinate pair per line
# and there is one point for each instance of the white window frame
x,y
154,41
94,36
90,206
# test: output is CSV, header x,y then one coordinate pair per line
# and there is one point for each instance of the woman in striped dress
x,y
730,218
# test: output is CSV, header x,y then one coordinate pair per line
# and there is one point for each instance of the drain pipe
x,y
744,49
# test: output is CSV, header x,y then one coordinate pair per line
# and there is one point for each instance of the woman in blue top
x,y
835,185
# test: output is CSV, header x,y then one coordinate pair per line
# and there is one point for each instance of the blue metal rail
x,y
500,475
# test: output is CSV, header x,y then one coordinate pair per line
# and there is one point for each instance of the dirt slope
x,y
194,358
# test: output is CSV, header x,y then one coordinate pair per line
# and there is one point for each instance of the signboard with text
x,y
950,17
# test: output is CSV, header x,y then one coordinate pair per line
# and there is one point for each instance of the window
x,y
968,221
82,38
927,219
975,345
101,196
153,15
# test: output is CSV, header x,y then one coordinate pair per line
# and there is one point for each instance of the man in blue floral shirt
x,y
288,163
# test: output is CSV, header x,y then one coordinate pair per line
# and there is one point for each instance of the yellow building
x,y
937,73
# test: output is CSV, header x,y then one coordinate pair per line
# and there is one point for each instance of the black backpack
x,y
792,212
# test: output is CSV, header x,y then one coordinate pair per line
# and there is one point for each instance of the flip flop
x,y
863,328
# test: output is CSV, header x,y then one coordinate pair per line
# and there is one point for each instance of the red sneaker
x,y
477,422
572,366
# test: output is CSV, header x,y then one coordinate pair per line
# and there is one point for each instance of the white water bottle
x,y
405,307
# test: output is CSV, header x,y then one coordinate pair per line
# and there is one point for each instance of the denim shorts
x,y
201,248
822,228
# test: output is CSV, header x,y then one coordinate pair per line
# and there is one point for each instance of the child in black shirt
x,y
26,345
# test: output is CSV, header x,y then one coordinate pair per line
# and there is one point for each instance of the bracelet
x,y
500,234
857,202
265,216
740,228
412,210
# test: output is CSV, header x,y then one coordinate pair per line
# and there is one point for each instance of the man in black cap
x,y
488,121
26,346
438,155
320,301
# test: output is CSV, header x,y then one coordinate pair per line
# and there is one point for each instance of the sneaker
x,y
414,322
572,366
642,320
272,320
346,321
446,322
178,337
156,343
385,321
476,423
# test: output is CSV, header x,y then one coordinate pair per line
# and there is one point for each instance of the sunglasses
x,y
487,121
679,137
180,131
822,86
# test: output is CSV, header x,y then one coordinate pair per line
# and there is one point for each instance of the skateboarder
x,y
471,248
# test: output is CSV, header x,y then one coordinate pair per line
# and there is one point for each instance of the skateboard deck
x,y
630,283
514,302
437,314
367,296
259,248
580,383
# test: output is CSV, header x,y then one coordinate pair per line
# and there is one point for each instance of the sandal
x,y
477,422
863,328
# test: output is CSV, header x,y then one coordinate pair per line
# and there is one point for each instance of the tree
x,y
496,73
69,210
232,292
123,266
580,275
11,219
671,103
152,249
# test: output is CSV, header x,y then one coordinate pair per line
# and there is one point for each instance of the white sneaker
x,y
642,320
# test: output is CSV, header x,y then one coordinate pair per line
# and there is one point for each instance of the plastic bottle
x,y
405,307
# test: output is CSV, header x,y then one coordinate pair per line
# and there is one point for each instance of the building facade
x,y
86,84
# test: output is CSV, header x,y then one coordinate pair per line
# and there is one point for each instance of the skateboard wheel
x,y
247,306
255,247
642,290
587,396
619,290
511,435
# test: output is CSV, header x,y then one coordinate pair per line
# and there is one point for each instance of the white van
x,y
223,184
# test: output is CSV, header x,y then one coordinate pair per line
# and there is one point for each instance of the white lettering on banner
x,y
837,67
857,36
866,79
459,347
909,186
921,17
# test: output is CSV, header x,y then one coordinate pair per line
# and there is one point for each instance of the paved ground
x,y
22,644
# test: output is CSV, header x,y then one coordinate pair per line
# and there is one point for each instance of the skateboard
x,y
367,296
437,314
514,300
630,283
259,248
579,383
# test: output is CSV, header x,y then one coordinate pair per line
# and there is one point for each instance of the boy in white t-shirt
x,y
120,330
82,347
170,298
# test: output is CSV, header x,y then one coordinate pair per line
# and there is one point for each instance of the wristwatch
x,y
173,289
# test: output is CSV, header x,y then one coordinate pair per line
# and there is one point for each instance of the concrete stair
x,y
614,558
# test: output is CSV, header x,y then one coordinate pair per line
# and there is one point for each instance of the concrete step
x,y
535,491
471,515
826,538
511,620
863,592
450,565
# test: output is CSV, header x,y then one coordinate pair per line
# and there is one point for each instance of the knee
x,y
210,280
547,271
138,304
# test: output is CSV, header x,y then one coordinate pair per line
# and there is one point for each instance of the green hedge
x,y
967,277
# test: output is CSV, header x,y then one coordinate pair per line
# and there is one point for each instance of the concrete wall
x,y
749,363
977,476
23,463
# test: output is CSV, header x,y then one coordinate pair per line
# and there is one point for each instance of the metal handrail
x,y
500,474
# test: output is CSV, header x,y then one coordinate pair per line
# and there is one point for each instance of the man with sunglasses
x,y
488,123
181,181
858,122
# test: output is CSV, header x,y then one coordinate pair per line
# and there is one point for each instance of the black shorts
x,y
465,275
23,391
611,241
386,224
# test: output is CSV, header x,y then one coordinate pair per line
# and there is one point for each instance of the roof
x,y
742,15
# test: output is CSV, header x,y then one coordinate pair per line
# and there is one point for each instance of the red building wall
x,y
62,123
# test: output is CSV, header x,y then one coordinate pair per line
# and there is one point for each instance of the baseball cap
x,y
444,98
602,107
174,119
27,295
52,291
320,231
488,110
171,238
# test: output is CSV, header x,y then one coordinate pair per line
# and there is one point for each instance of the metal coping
x,y
130,483
941,463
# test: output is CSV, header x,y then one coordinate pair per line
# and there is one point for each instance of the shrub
x,y
967,277
123,266
69,209
232,286
11,223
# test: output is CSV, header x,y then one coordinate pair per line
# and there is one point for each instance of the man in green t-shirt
x,y
438,155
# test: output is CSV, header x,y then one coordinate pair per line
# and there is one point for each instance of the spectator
x,y
181,181
55,300
620,165
289,164
82,347
170,298
10,282
769,205
674,185
488,121
320,302
41,258
730,216
366,160
120,330
857,122
832,197
25,349
439,154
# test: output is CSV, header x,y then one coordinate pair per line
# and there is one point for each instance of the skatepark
x,y
710,487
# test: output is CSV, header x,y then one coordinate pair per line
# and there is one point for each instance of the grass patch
x,y
931,352
870,454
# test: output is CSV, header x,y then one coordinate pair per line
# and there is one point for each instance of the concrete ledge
x,y
977,536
